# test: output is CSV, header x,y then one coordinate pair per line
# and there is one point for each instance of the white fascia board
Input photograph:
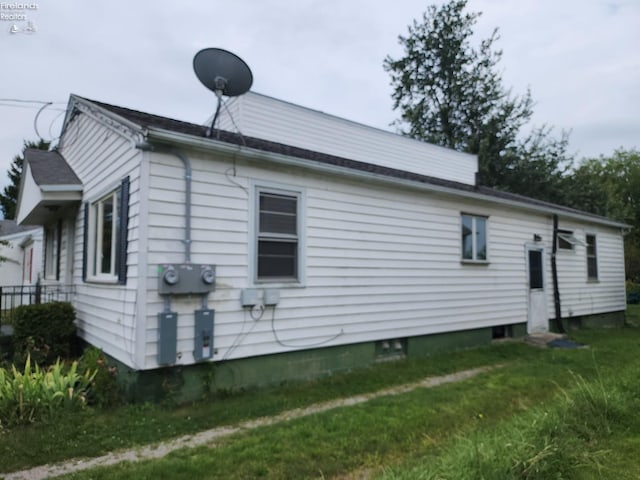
x,y
121,126
61,188
26,172
22,236
209,145
29,196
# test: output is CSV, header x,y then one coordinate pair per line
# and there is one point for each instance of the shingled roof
x,y
147,120
50,168
9,227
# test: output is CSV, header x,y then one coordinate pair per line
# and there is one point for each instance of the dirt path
x,y
209,437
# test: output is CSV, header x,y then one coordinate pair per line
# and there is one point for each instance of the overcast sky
x,y
580,58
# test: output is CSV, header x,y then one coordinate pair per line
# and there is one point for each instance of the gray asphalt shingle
x,y
50,168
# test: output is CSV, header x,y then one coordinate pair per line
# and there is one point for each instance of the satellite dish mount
x,y
224,73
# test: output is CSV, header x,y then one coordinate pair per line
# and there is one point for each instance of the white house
x,y
304,244
22,255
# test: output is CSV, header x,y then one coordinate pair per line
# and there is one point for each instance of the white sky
x,y
581,59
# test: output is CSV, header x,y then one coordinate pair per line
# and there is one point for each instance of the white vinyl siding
x,y
380,262
579,296
264,117
105,311
375,261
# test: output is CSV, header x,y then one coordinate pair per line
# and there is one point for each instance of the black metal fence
x,y
13,296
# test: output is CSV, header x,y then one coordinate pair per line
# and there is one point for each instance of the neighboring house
x,y
22,255
307,244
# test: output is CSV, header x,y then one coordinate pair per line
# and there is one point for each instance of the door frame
x,y
536,296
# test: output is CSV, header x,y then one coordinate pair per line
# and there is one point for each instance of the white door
x,y
538,321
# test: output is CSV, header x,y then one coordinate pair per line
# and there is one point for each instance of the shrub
x,y
633,292
44,332
35,394
104,390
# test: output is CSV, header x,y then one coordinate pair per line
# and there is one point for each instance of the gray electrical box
x,y
186,278
203,338
271,297
249,297
168,337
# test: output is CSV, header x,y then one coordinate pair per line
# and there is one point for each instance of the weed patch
x,y
36,394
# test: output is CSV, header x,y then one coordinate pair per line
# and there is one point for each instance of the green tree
x,y
610,186
450,93
9,197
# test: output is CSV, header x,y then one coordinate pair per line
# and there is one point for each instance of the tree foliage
x,y
9,197
610,186
450,93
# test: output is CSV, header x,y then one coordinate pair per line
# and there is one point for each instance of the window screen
x,y
535,269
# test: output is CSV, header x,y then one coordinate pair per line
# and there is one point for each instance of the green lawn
x,y
572,412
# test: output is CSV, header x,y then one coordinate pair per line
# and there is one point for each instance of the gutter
x,y
211,145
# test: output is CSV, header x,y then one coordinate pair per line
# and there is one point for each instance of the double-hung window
x,y
106,236
277,235
592,258
474,238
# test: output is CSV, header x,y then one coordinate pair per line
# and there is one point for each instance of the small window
x,y
592,258
536,278
474,238
567,241
277,235
27,274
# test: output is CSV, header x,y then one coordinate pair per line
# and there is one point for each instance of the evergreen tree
x,y
9,197
450,93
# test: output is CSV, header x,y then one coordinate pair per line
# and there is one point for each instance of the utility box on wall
x,y
203,338
168,335
186,278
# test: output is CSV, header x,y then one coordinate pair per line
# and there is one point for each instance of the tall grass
x,y
553,442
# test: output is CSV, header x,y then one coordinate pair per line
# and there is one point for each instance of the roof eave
x,y
207,144
132,131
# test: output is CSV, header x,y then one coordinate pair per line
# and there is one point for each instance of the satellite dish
x,y
222,72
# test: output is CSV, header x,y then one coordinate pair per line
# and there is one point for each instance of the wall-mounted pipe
x,y
554,273
148,147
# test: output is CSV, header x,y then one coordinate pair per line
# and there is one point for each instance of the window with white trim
x,y
106,236
52,252
104,215
474,238
277,235
592,257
